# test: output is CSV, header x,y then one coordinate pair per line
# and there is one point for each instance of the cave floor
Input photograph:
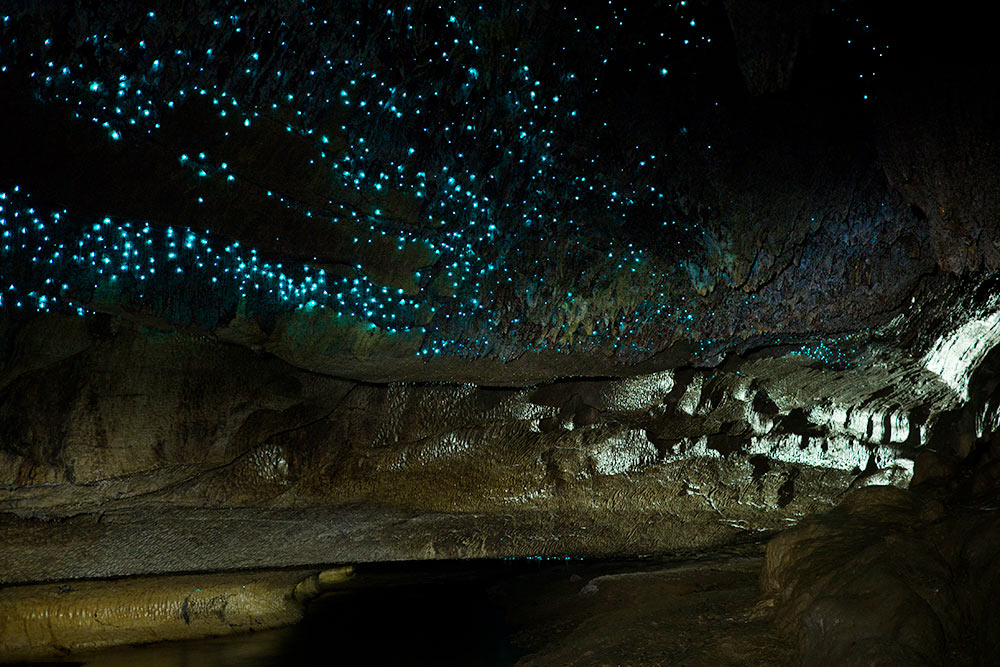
x,y
568,612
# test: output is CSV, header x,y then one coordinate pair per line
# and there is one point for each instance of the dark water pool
x,y
428,613
442,614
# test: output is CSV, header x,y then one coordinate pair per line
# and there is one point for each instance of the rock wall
x,y
145,432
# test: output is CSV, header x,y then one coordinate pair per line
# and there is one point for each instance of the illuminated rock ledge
x,y
51,620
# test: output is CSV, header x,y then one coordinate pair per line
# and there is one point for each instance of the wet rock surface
x,y
140,436
128,448
41,622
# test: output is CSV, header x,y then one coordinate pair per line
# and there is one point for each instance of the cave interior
x,y
669,329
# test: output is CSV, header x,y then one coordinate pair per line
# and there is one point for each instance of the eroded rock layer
x,y
148,432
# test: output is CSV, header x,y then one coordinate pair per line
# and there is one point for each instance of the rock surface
x,y
133,423
697,614
890,577
54,620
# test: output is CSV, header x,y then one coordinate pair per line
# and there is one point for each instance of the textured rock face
x,y
898,576
157,422
148,432
888,578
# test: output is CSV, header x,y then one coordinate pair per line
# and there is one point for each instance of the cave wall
x,y
136,440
